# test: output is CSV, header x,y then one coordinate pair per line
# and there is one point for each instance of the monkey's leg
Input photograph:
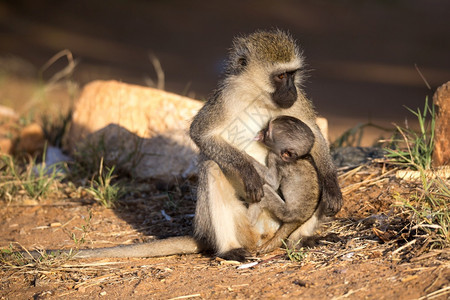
x,y
277,240
292,233
307,229
296,208
297,211
221,219
273,202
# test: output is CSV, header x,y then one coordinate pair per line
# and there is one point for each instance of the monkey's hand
x,y
253,184
332,197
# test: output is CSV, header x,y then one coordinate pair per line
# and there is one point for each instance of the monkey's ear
x,y
288,155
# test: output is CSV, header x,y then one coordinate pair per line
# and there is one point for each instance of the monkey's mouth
x,y
285,98
286,104
259,136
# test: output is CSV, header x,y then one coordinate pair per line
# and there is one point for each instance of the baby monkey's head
x,y
288,137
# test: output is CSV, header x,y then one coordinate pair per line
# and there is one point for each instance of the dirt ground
x,y
368,250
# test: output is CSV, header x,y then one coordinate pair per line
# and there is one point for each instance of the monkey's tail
x,y
164,247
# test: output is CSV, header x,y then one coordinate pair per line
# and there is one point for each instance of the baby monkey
x,y
292,172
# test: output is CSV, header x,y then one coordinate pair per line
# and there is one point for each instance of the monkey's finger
x,y
254,193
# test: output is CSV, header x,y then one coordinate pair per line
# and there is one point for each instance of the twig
x,y
442,172
427,255
348,293
423,77
370,181
165,215
185,297
249,265
434,281
159,71
350,173
71,63
441,292
403,247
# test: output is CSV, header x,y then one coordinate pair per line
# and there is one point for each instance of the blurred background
x,y
362,56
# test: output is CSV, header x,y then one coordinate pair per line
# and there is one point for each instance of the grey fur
x,y
292,171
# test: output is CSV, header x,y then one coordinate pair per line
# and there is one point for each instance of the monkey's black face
x,y
285,93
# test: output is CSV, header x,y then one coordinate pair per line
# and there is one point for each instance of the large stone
x,y
8,130
31,140
6,145
144,111
441,99
7,112
141,130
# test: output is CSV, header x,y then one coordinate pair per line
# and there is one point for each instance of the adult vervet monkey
x,y
262,81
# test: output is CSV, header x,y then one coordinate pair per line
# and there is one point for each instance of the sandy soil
x,y
366,253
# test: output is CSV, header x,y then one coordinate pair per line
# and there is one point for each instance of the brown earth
x,y
368,252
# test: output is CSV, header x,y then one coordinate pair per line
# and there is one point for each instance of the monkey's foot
x,y
314,241
238,254
270,246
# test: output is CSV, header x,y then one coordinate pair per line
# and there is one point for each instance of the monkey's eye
x,y
242,61
281,76
288,155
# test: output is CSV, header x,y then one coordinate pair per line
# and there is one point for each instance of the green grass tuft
x,y
31,179
294,253
429,209
102,188
415,150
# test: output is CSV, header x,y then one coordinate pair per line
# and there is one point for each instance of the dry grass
x,y
390,231
386,235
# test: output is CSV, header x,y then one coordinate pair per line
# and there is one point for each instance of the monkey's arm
x,y
331,200
269,174
232,161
